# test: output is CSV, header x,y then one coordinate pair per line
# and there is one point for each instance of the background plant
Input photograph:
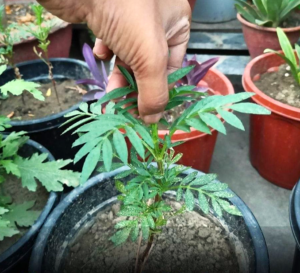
x,y
41,30
103,138
288,54
28,170
268,13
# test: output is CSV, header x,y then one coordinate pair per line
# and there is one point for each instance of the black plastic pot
x,y
45,130
295,224
83,203
16,258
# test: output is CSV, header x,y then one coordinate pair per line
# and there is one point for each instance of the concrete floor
x,y
269,203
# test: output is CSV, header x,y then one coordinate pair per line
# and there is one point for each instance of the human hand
x,y
149,37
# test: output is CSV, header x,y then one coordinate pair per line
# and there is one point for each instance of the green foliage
x,y
41,29
288,54
29,171
143,185
268,13
18,86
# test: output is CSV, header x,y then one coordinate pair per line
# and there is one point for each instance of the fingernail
x,y
100,56
152,118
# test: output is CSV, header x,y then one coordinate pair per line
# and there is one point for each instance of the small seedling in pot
x,y
103,138
268,13
10,35
29,170
41,31
288,54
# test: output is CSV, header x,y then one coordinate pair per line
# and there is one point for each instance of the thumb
x,y
151,78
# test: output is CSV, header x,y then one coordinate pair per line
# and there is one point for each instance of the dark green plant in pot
x,y
268,13
288,54
103,138
28,170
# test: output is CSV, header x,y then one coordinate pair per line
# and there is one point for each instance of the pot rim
x,y
275,106
53,116
268,29
294,213
184,136
33,230
259,244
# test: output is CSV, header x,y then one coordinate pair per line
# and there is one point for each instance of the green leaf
x,y
216,207
249,8
78,123
2,68
215,187
6,230
135,233
246,14
86,148
127,76
48,173
151,221
115,94
189,200
180,73
231,119
179,194
135,141
189,178
16,87
90,164
203,203
120,146
144,134
145,228
204,179
21,215
250,108
286,46
176,158
10,167
224,194
120,236
124,174
96,109
107,154
213,121
123,224
130,211
199,125
291,6
231,209
120,186
84,107
260,6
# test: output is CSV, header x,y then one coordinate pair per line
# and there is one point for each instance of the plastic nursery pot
x,y
78,210
60,41
295,224
46,130
259,38
16,258
274,139
198,148
214,11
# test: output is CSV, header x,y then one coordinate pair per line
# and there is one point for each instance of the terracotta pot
x,y
60,41
259,38
274,139
198,147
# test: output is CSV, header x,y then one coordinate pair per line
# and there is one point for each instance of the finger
x,y
101,51
117,79
151,78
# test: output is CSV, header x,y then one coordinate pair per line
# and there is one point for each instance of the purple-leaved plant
x,y
100,79
198,73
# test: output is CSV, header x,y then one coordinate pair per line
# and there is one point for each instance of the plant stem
x,y
51,76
